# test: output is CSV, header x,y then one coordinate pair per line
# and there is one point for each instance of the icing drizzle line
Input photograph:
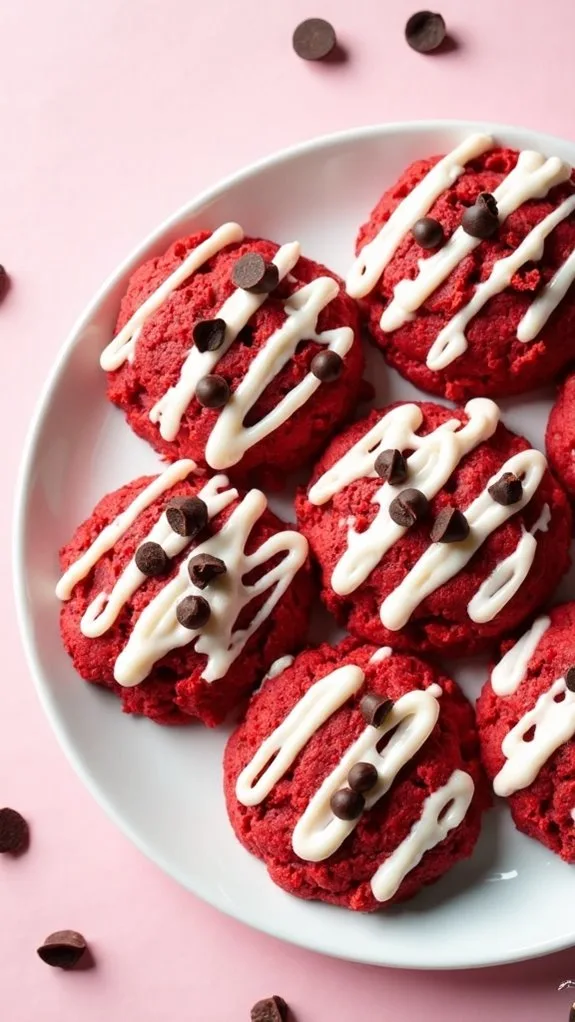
x,y
451,342
442,811
230,438
318,833
375,256
553,721
109,536
508,674
532,177
157,630
437,565
434,458
509,575
122,347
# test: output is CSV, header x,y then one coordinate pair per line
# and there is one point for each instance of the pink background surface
x,y
112,114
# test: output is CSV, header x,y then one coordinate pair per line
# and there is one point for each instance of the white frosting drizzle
x,y
440,562
229,438
442,811
100,615
435,457
532,177
508,674
509,575
122,347
553,718
236,312
158,631
318,833
380,654
109,536
451,342
277,753
435,690
278,667
547,301
375,256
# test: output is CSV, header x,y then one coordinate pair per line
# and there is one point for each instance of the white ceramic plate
x,y
163,786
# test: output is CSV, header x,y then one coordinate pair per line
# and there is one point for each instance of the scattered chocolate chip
x,y
4,282
428,232
391,466
213,391
374,709
450,526
152,559
63,949
209,334
327,366
252,273
569,681
203,568
572,1013
507,490
425,31
187,515
314,39
347,804
409,507
362,777
14,833
193,612
482,219
271,1009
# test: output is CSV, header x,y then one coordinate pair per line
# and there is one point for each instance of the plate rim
x,y
23,489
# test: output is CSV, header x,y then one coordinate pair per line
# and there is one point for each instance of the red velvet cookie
x,y
560,435
526,720
237,353
435,529
464,271
355,776
179,594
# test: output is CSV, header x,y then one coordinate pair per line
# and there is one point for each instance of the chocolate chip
x,y
391,466
14,833
409,507
252,273
327,366
374,709
488,200
4,282
193,612
271,1009
347,804
572,1013
482,219
362,777
63,949
569,681
209,334
450,526
428,232
314,39
213,391
507,490
425,31
203,568
152,559
187,515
